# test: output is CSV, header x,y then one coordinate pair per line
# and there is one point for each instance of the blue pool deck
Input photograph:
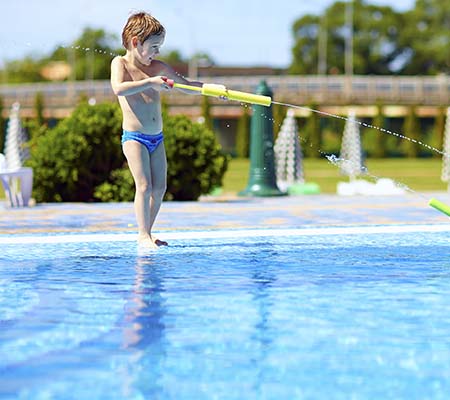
x,y
228,213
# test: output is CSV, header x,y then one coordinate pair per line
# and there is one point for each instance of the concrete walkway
x,y
228,213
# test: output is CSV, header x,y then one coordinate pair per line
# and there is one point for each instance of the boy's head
x,y
141,25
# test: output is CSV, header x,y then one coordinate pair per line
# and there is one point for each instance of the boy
x,y
137,78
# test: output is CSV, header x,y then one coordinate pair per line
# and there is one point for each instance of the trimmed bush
x,y
196,163
119,187
81,158
77,155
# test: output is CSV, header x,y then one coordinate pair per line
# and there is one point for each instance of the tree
x,y
313,134
26,70
374,139
305,51
437,135
90,55
384,41
375,39
203,59
411,129
172,57
425,36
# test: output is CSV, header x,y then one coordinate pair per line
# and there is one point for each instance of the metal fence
x,y
60,98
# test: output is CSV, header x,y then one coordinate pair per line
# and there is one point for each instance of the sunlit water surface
x,y
350,316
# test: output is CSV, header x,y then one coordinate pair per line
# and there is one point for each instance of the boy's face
x,y
148,50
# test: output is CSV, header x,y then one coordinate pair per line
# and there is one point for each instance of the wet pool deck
x,y
228,213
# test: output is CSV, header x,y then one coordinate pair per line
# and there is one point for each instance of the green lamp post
x,y
262,181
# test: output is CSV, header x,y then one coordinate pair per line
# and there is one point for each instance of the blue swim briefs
x,y
149,141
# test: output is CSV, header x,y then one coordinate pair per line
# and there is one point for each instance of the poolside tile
x,y
229,213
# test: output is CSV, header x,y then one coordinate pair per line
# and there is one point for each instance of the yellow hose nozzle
x,y
221,91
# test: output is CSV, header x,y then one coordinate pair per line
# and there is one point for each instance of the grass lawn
x,y
418,174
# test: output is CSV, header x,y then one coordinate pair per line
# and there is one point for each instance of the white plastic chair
x,y
17,183
16,179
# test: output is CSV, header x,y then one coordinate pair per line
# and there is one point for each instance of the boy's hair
x,y
142,25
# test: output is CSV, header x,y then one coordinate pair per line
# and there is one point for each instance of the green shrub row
x,y
81,158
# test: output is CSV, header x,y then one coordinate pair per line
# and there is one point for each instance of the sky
x,y
231,32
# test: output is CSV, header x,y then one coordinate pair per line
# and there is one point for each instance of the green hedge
x,y
78,154
196,163
81,158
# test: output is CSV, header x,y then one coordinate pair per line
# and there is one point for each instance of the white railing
x,y
323,90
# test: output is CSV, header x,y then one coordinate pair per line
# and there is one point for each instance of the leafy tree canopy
x,y
89,57
384,41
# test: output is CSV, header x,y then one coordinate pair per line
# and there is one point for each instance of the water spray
x,y
221,91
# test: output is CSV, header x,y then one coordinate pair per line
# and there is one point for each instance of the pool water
x,y
316,314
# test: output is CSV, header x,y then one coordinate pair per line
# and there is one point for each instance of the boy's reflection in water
x,y
143,332
263,279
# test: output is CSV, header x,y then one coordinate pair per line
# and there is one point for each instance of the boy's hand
x,y
163,81
169,82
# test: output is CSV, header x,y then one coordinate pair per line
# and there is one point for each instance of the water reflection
x,y
263,279
144,329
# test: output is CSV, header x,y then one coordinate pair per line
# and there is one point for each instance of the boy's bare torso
x,y
141,111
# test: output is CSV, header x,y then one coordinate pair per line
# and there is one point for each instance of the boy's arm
x,y
121,87
170,73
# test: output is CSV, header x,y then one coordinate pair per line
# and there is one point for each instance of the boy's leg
x,y
158,170
139,163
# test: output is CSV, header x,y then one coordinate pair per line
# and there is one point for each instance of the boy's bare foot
x,y
146,242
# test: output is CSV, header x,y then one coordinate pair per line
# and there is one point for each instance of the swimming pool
x,y
353,312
